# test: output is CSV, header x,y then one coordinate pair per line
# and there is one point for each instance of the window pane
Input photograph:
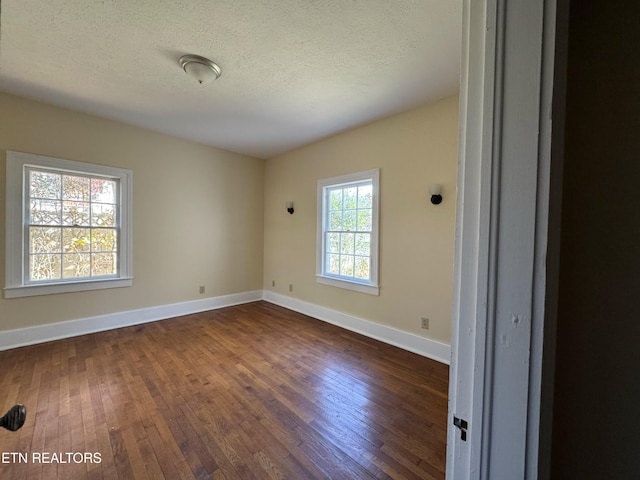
x,y
347,241
45,185
335,221
335,199
44,267
104,240
350,197
45,212
103,191
44,240
333,264
346,265
364,220
363,244
104,264
365,196
349,220
103,215
333,243
76,265
75,213
361,269
75,188
76,240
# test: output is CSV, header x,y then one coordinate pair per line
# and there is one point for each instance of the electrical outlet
x,y
425,323
273,283
201,290
291,287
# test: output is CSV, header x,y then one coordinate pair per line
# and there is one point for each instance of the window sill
x,y
51,288
358,287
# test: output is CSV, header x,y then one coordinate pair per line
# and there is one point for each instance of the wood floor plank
x,y
251,391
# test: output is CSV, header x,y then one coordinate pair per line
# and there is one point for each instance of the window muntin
x,y
348,231
72,223
68,226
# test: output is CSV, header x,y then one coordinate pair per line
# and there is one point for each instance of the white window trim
x,y
15,211
371,287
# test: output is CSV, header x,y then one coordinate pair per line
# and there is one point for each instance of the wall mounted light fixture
x,y
435,190
290,207
200,68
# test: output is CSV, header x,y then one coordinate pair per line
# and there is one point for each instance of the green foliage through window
x,y
73,226
348,231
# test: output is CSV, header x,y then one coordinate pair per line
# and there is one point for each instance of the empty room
x,y
318,239
227,238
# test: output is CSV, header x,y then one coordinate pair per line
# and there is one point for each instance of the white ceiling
x,y
293,71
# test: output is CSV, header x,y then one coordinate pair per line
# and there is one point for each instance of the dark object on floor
x,y
14,418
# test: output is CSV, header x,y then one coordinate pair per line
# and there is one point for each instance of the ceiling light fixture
x,y
200,68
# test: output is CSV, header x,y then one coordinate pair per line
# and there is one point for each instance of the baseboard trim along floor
x,y
44,333
408,341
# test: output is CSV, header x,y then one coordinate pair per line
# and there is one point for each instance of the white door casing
x,y
500,281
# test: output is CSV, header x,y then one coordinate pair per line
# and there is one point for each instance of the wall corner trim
x,y
408,341
71,328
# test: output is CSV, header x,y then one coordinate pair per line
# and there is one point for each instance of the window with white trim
x,y
68,226
347,245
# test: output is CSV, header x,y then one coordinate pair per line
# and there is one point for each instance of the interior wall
x,y
597,380
197,212
412,150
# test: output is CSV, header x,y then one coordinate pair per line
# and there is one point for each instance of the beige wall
x,y
412,150
229,228
198,216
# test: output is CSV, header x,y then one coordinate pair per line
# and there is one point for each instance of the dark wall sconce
x,y
435,190
290,207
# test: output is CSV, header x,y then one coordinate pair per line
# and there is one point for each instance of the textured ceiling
x,y
293,71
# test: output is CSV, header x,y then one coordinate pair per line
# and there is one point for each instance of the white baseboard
x,y
54,331
408,341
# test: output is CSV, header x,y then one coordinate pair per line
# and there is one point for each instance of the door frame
x,y
506,260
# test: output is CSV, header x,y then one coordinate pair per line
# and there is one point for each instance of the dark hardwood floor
x,y
252,391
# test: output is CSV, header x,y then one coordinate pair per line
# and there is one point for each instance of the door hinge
x,y
462,425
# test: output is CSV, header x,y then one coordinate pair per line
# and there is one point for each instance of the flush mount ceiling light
x,y
200,68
